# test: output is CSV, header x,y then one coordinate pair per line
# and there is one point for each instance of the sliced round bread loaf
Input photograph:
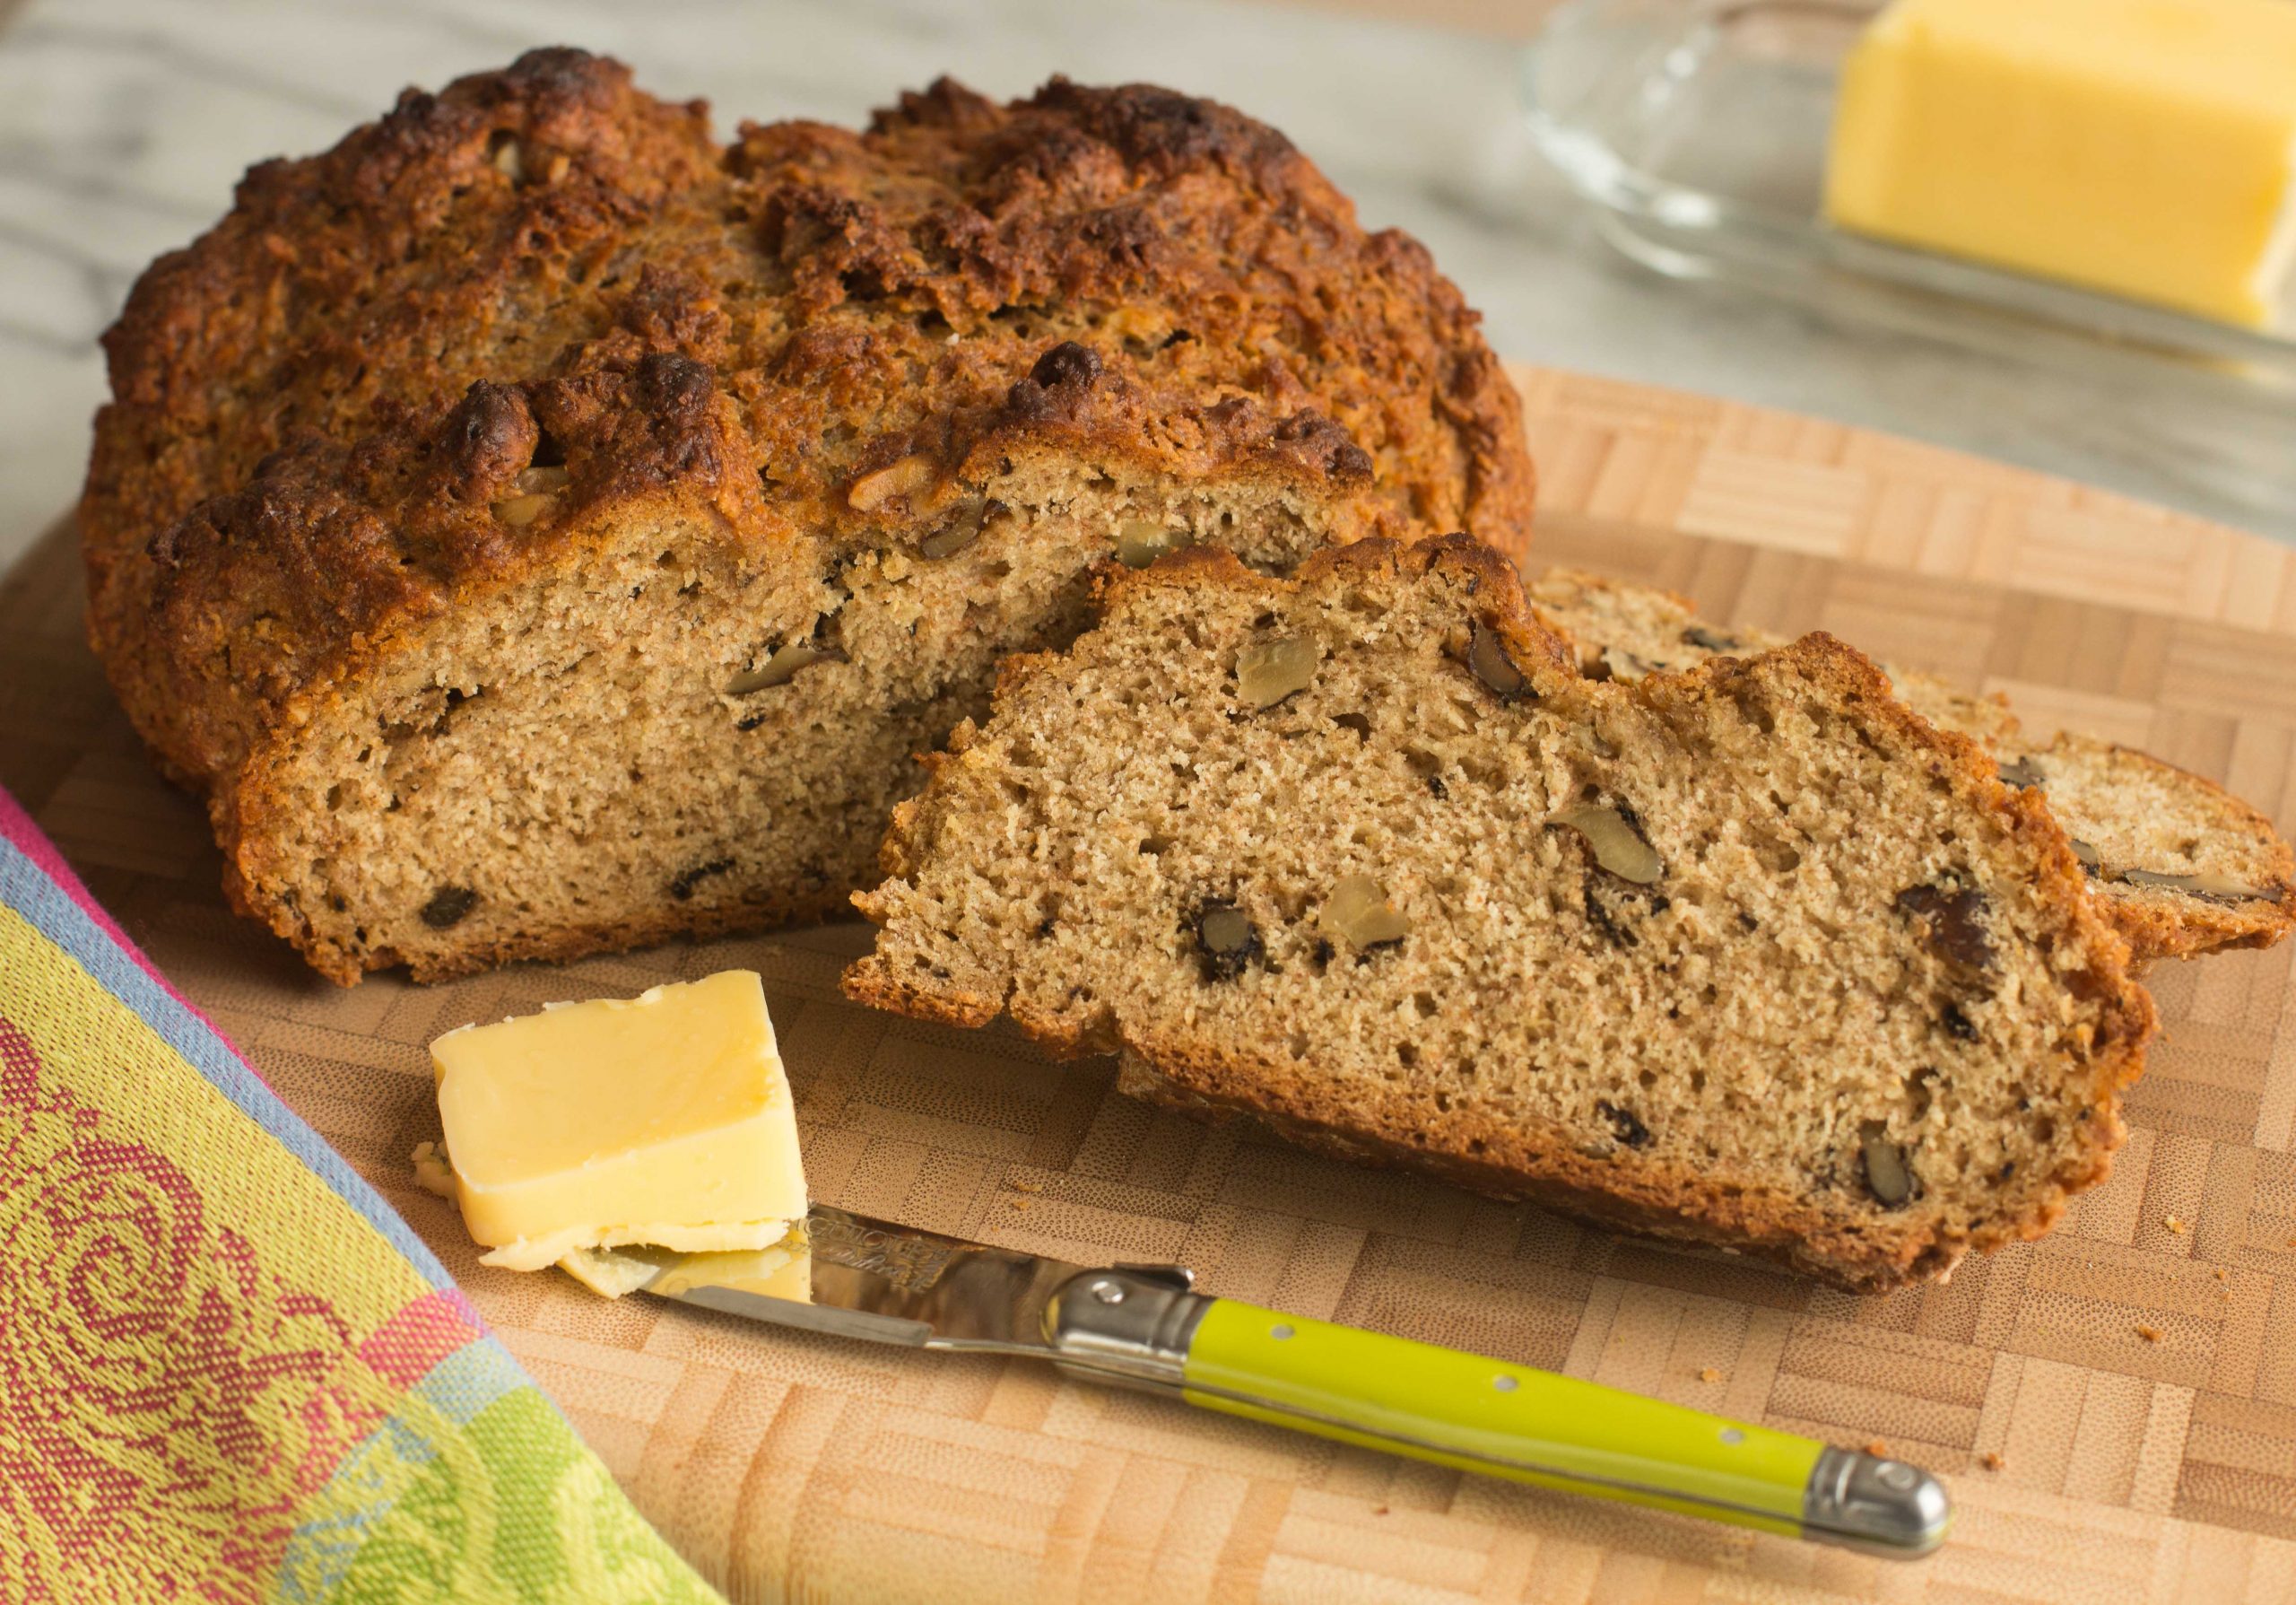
x,y
1747,955
538,528
2176,863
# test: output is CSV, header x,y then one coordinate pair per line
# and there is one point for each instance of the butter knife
x,y
1145,1326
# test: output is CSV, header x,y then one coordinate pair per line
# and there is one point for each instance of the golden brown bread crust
x,y
1187,1070
318,406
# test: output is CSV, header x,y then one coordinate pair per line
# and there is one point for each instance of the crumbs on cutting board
x,y
1878,1448
1991,1460
2177,1224
1709,1374
2150,1334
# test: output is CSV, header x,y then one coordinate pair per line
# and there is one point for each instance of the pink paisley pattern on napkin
x,y
228,1372
146,1356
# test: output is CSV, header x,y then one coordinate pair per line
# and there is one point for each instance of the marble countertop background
x,y
124,124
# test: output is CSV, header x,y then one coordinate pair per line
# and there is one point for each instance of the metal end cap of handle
x,y
1877,1506
1130,1324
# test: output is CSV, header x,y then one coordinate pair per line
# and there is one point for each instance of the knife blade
x,y
1145,1326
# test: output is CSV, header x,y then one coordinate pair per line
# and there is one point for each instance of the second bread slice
x,y
1748,955
2176,864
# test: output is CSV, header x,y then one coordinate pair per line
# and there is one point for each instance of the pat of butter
x,y
2142,147
665,1119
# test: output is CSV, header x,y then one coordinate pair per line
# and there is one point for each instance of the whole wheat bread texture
x,y
2176,864
1748,955
538,528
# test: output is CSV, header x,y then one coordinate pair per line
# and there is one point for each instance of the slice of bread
x,y
1749,955
538,528
2176,863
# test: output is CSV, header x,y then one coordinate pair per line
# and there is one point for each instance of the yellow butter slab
x,y
2142,147
664,1118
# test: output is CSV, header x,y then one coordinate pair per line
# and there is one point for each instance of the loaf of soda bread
x,y
538,528
1748,955
2175,862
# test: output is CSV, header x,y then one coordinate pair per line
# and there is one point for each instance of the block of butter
x,y
2142,147
665,1119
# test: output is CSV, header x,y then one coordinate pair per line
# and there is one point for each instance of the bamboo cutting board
x,y
2135,1374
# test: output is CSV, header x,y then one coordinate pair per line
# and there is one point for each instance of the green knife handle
x,y
1482,1414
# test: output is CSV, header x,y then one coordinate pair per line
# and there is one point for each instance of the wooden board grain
x,y
2131,1468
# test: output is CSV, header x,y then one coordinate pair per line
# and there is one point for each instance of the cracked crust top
x,y
429,360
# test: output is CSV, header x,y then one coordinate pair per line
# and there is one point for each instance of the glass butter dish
x,y
1699,129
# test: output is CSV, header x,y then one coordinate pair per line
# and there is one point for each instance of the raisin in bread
x,y
538,528
2176,863
1748,955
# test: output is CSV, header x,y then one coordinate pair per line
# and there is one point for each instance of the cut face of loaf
x,y
537,526
675,734
2176,864
1747,955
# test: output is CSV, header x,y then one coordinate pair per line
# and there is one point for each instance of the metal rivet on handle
x,y
1898,1476
1109,1293
1730,1435
1505,1384
1279,1331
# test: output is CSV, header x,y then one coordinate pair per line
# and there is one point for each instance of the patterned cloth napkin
x,y
228,1371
